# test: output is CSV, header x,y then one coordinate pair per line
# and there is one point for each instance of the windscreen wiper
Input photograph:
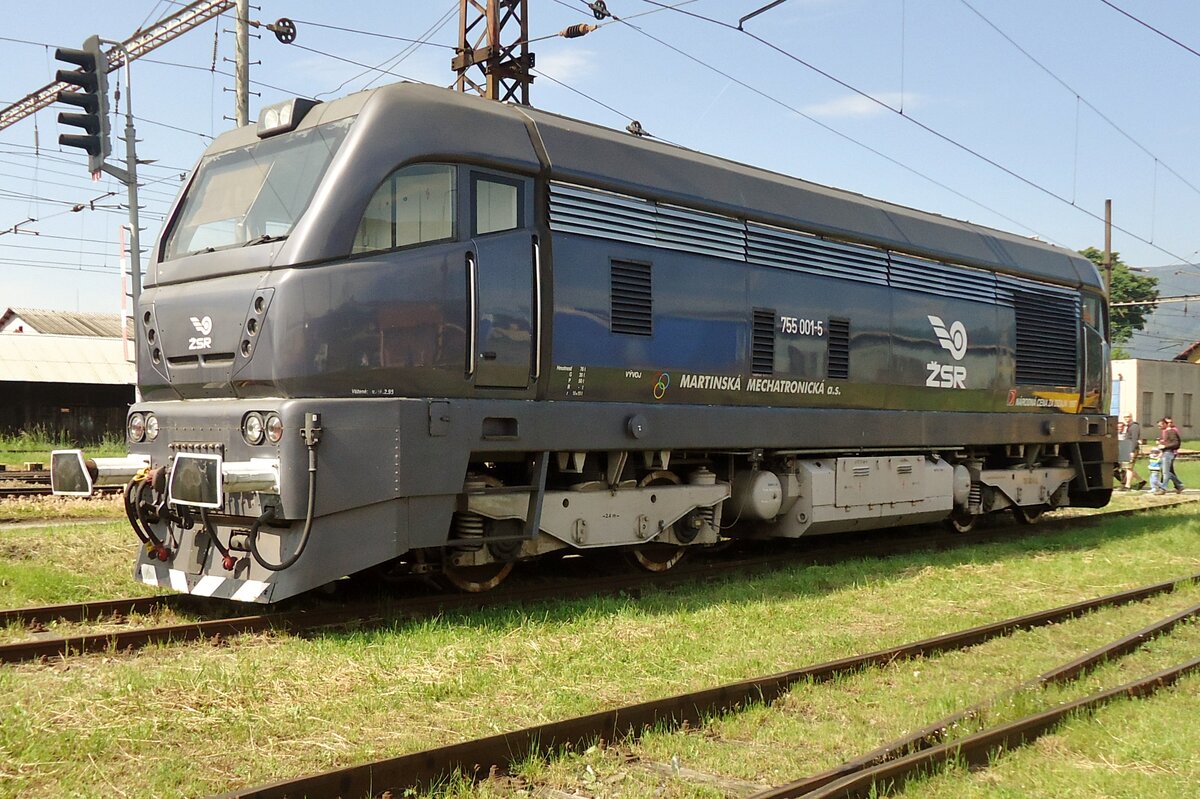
x,y
265,238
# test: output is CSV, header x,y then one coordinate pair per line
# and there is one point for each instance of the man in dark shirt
x,y
1168,442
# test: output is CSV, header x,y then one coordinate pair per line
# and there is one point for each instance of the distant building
x,y
66,373
1151,390
1191,353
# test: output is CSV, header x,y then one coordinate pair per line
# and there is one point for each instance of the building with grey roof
x,y
65,373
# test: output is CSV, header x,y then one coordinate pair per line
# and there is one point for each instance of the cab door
x,y
501,264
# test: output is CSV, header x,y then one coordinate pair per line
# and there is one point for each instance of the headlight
x,y
274,428
136,428
151,427
252,428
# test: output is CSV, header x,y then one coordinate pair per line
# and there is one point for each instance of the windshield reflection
x,y
255,194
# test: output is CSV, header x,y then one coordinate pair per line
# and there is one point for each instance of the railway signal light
x,y
92,78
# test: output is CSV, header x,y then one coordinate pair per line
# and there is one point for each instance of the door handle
x,y
536,321
472,311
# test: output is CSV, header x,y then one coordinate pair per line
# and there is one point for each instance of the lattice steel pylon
x,y
185,19
504,68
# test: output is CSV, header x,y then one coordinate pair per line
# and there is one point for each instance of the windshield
x,y
254,194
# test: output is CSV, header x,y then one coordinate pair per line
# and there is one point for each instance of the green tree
x,y
1127,286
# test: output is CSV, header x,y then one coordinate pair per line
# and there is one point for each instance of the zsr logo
x,y
954,340
203,327
661,386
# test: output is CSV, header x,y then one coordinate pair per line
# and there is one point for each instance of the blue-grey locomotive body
x,y
423,332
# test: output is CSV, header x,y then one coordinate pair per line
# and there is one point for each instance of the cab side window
x,y
1093,313
496,204
414,205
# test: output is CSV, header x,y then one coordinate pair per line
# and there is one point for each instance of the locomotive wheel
x,y
961,522
657,557
477,579
1030,515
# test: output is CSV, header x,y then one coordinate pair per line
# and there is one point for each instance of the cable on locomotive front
x,y
133,512
312,436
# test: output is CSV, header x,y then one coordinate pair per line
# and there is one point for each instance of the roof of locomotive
x,y
426,122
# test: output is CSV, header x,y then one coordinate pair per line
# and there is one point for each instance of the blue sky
x,y
1112,111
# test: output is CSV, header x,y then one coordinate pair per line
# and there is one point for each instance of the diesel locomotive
x,y
412,331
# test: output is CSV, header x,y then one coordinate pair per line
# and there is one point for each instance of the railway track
x,y
35,484
908,756
574,579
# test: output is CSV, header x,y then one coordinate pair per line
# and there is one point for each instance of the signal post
x,y
91,76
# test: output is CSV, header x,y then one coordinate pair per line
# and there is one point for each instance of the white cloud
x,y
566,65
855,105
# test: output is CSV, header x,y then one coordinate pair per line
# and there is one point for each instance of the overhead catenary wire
x,y
828,128
1081,99
1148,26
923,126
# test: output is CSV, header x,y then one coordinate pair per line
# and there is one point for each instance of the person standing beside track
x,y
1133,435
1169,442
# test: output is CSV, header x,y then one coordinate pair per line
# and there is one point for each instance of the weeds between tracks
x,y
200,719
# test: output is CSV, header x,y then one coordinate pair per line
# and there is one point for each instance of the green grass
x,y
203,718
36,445
1188,471
66,562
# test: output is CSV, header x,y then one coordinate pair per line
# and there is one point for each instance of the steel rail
x,y
977,749
40,476
355,614
422,607
88,611
479,757
935,733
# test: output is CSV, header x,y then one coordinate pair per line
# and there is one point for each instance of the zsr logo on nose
x,y
204,328
954,340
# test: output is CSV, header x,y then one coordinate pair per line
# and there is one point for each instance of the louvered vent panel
x,y
944,280
762,356
804,253
838,358
1047,320
701,233
632,308
590,212
605,215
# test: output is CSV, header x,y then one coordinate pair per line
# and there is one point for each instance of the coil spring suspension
x,y
975,498
468,527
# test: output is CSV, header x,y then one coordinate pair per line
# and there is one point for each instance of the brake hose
x,y
134,511
226,558
311,433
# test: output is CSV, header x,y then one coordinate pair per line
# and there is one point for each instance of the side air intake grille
x,y
762,356
632,307
838,365
605,215
590,212
1047,321
931,277
801,252
700,233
